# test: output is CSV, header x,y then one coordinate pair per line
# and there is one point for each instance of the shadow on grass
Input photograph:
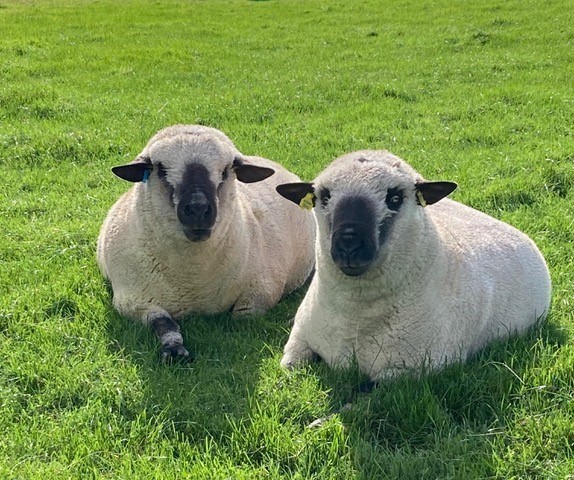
x,y
235,388
209,396
444,423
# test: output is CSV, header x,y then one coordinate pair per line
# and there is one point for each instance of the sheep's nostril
x,y
196,210
188,210
349,242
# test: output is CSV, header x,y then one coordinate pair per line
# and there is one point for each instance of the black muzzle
x,y
354,243
197,208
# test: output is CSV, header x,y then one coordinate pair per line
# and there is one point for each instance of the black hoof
x,y
171,354
367,386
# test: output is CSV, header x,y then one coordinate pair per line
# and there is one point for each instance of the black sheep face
x,y
355,224
192,178
363,203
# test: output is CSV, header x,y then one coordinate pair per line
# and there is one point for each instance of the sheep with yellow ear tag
x,y
405,277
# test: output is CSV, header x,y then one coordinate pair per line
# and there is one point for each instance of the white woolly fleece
x,y
251,260
448,280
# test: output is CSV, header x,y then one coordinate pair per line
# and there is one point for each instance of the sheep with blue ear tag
x,y
405,277
202,230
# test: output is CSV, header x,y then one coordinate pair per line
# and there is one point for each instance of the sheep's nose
x,y
197,210
353,250
348,242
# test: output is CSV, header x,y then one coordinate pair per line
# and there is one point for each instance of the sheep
x,y
402,288
197,234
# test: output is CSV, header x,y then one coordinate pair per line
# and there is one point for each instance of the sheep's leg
x,y
252,304
295,352
242,309
168,333
259,295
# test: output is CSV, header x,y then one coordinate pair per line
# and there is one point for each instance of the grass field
x,y
481,93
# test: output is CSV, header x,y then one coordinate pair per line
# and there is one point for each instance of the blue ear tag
x,y
145,175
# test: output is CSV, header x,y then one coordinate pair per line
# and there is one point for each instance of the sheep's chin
x,y
197,234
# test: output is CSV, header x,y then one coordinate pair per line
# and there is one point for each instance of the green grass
x,y
476,92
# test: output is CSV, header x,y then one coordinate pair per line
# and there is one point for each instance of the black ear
x,y
247,173
297,193
137,171
431,192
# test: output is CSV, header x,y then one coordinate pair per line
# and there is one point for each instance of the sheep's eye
x,y
394,198
224,175
161,173
325,196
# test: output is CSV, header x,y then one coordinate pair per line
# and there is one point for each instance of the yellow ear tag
x,y
421,199
308,201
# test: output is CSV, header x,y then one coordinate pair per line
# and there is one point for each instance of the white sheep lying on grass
x,y
196,234
398,286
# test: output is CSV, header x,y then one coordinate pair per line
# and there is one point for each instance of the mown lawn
x,y
477,92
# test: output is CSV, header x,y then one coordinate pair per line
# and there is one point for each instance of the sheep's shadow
x,y
465,403
237,362
200,397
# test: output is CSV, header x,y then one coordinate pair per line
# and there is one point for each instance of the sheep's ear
x,y
431,192
247,173
303,194
136,171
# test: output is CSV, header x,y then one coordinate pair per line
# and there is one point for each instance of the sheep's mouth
x,y
197,234
353,270
353,250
